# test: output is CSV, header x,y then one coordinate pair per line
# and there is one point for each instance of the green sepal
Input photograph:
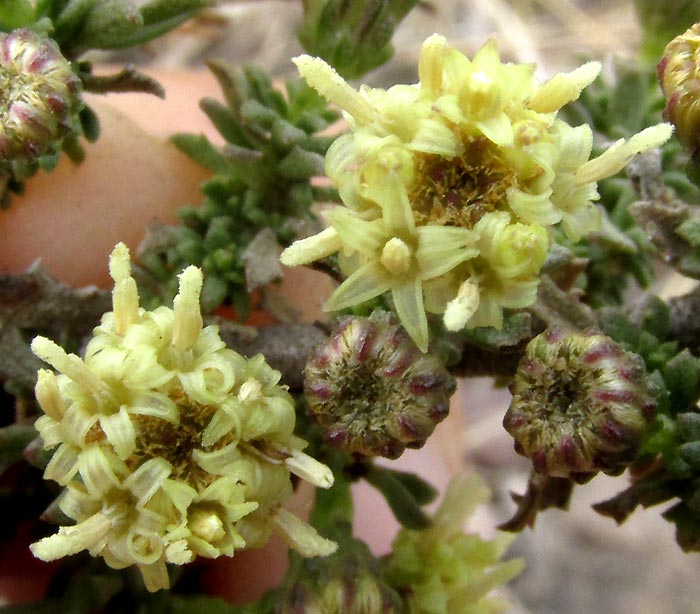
x,y
15,14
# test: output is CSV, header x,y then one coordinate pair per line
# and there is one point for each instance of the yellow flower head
x,y
425,166
445,570
169,444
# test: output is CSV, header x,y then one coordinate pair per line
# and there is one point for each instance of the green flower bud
x,y
39,96
373,391
580,405
679,76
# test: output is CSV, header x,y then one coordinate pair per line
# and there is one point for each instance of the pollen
x,y
461,190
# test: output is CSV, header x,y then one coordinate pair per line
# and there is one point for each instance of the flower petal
x,y
357,234
441,248
367,282
616,157
563,88
430,64
313,248
327,82
497,129
408,300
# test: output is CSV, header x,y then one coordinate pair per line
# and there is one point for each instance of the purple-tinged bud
x,y
371,389
39,96
679,76
580,405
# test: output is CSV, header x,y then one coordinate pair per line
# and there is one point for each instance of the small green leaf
x,y
301,164
90,124
689,426
70,19
689,230
159,11
690,265
399,498
690,453
202,151
225,121
109,25
423,492
682,377
655,317
15,14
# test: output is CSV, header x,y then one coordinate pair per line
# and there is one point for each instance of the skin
x,y
131,178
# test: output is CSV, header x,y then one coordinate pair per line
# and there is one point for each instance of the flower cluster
x,y
450,185
169,444
443,569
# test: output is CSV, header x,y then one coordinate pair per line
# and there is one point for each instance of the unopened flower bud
x,y
39,96
359,593
679,76
580,405
373,391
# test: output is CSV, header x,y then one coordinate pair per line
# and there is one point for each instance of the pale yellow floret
x,y
445,570
302,537
308,468
617,156
396,256
70,364
206,525
563,88
88,535
430,64
188,317
49,396
125,297
319,75
305,251
460,309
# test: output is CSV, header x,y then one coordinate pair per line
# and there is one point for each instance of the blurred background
x,y
577,562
